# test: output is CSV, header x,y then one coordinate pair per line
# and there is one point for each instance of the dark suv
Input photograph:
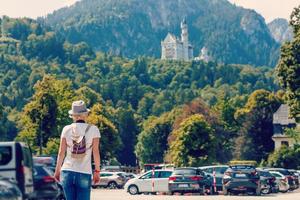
x,y
188,180
241,179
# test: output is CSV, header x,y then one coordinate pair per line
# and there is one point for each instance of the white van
x,y
16,164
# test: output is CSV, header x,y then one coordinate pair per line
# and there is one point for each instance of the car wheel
x,y
112,185
94,186
211,190
265,191
133,190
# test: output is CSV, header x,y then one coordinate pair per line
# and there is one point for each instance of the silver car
x,y
281,181
111,180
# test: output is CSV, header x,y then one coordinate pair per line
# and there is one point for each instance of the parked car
x,y
149,182
288,175
215,172
281,181
44,160
295,176
61,194
241,179
267,182
16,164
188,180
9,190
110,180
45,185
130,175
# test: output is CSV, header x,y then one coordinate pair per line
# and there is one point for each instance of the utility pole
x,y
41,128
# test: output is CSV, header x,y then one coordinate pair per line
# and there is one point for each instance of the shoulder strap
x,y
88,128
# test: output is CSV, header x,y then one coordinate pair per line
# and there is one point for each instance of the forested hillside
x,y
131,28
131,99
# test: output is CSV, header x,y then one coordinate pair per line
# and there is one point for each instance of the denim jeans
x,y
77,186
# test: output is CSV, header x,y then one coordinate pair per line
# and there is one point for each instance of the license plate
x,y
240,175
241,188
183,185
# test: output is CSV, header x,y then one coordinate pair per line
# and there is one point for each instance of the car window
x,y
27,159
165,174
184,172
40,171
105,174
220,170
149,175
208,170
121,175
265,173
284,172
276,175
5,155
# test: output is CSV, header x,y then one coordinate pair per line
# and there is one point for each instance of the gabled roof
x,y
170,38
281,116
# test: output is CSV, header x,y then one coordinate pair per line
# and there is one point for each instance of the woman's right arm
x,y
60,157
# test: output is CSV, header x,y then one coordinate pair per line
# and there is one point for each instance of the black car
x,y
241,179
9,190
61,194
216,173
188,180
45,185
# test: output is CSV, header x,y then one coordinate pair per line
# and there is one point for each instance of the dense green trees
x,y
256,125
138,104
110,141
152,142
288,68
194,143
286,157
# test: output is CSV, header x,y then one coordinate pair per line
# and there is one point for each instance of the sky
x,y
269,9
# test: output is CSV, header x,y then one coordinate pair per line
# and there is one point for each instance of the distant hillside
x,y
230,34
280,30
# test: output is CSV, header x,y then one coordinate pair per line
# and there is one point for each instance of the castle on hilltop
x,y
173,48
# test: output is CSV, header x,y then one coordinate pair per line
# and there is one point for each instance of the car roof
x,y
276,172
212,166
182,168
12,143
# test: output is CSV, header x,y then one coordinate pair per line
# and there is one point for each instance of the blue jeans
x,y
77,186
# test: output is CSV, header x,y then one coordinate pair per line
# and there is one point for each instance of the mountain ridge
x,y
132,28
281,30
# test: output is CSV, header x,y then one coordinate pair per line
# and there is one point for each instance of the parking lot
x,y
100,194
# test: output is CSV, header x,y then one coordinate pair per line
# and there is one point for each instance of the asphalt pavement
x,y
104,194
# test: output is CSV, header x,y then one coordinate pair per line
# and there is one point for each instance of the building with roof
x,y
281,121
173,48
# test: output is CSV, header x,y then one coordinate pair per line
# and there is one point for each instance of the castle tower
x,y
184,32
185,39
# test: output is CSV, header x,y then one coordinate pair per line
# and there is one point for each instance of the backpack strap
x,y
86,130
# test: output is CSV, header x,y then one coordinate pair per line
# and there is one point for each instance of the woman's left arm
x,y
96,155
